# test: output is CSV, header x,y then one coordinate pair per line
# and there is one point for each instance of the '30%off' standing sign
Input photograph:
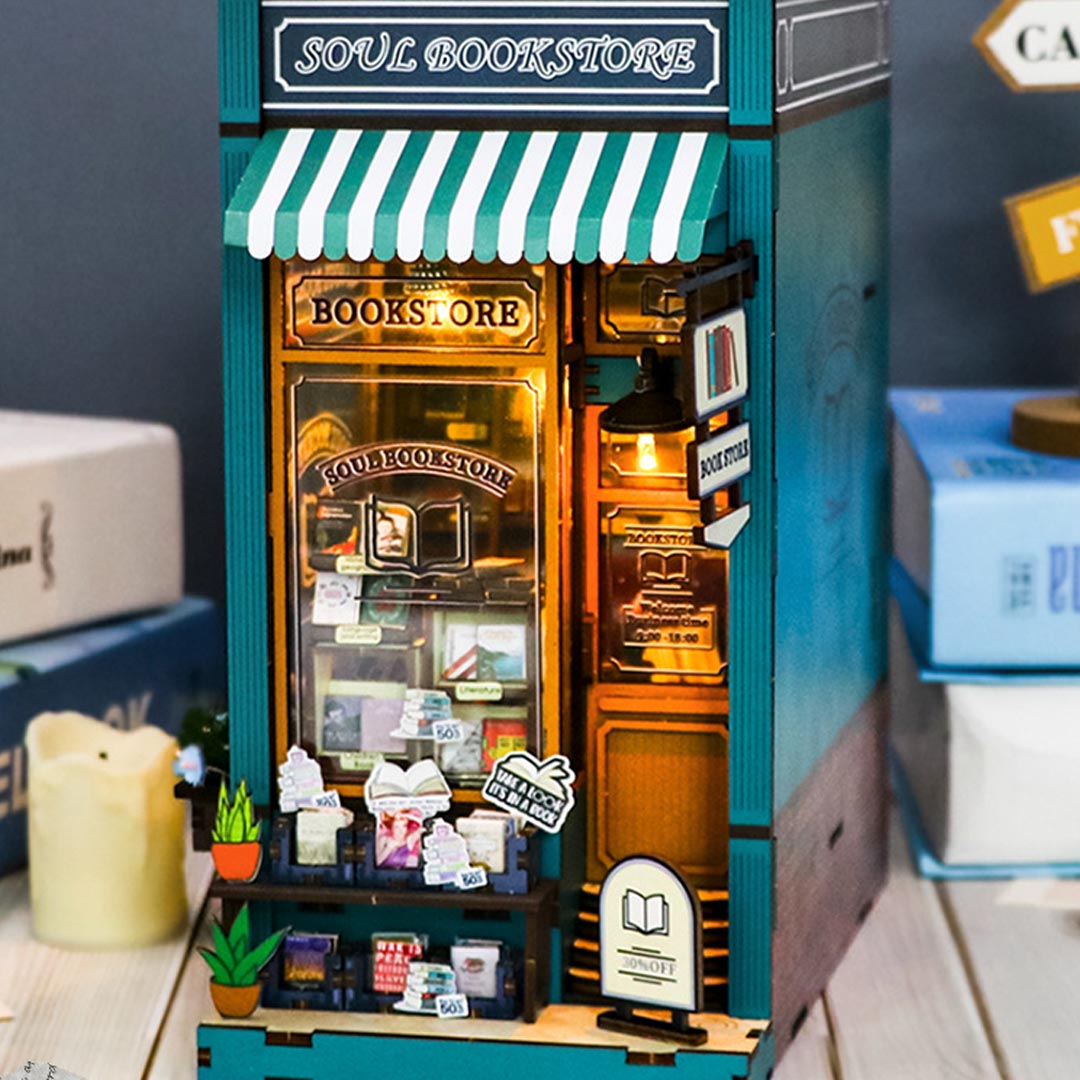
x,y
1034,45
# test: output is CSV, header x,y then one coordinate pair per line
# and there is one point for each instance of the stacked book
x,y
426,982
92,613
984,639
422,709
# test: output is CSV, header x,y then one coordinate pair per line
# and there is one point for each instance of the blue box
x,y
989,533
148,670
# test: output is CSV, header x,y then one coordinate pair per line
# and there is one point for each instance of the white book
x,y
91,526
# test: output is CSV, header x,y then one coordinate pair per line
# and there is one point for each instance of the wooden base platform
x,y
565,1041
558,1025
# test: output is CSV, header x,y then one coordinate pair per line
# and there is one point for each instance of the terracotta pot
x,y
235,1002
237,862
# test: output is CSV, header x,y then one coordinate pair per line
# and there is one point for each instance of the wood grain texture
x,y
96,1014
1026,965
558,1025
830,863
901,1003
173,1057
809,1057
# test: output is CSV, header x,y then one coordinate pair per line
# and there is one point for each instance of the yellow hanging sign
x,y
1046,227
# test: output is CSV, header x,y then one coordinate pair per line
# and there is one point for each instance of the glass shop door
x,y
655,625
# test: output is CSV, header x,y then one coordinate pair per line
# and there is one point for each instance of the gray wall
x,y
109,196
109,280
962,142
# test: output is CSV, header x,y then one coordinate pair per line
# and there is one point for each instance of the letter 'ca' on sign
x,y
1046,227
650,936
1033,44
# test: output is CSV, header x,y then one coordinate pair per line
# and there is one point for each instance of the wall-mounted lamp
x,y
652,404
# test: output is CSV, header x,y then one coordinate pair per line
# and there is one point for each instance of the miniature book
x,y
502,736
337,600
304,957
316,835
485,839
426,982
397,839
392,955
475,962
466,756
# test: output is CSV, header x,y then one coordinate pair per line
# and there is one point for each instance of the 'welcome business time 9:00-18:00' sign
x,y
567,59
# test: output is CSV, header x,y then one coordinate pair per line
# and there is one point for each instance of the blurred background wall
x,y
108,213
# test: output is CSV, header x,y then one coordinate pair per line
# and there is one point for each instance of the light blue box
x,y
989,533
146,670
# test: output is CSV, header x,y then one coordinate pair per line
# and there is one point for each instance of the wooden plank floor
x,y
945,982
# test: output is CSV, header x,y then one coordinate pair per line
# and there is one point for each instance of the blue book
x,y
146,670
988,533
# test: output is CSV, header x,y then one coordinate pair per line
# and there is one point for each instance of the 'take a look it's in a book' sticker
x,y
541,792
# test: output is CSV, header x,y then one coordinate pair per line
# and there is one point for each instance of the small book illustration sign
x,y
720,364
541,792
650,949
645,914
390,788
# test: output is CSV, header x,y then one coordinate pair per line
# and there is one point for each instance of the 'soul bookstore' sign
x,y
519,58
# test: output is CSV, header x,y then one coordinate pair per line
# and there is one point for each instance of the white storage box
x,y
992,761
91,524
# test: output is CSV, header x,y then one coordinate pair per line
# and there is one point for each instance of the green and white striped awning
x,y
483,195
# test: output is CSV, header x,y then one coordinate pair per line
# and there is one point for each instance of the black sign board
x,y
511,59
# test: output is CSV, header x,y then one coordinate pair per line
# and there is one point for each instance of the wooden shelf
x,y
539,907
535,900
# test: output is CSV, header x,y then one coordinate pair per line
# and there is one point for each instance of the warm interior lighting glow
x,y
646,452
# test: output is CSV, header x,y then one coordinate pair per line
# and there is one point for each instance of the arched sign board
x,y
650,948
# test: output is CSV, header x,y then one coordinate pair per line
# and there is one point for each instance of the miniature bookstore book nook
x,y
554,368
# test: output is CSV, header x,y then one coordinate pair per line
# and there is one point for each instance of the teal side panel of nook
x,y
750,909
242,1054
245,498
831,364
750,55
752,560
238,61
751,212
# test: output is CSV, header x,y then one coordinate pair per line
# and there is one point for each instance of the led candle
x,y
106,834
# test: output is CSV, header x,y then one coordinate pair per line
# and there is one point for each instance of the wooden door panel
x,y
660,787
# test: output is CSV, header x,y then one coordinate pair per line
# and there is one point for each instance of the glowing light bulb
x,y
646,452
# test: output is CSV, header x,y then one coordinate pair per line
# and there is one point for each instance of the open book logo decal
x,y
665,570
541,792
390,788
434,539
645,914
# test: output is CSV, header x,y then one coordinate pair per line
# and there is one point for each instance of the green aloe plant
x,y
236,963
235,822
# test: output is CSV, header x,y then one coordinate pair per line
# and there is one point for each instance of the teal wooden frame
x,y
751,188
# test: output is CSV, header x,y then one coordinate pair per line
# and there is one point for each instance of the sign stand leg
x,y
624,1020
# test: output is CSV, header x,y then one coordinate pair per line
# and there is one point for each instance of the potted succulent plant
x,y
235,987
235,844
